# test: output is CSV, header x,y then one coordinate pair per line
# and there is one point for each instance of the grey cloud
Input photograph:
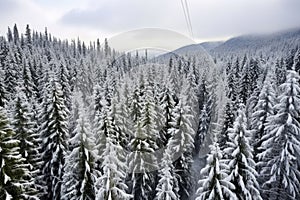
x,y
216,19
242,17
210,18
8,7
119,15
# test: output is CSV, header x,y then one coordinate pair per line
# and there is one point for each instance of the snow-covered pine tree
x,y
10,74
122,116
167,103
33,68
23,127
289,60
63,76
101,126
262,111
280,71
231,83
3,93
234,77
111,183
208,112
280,146
11,161
136,103
213,185
227,121
27,80
9,35
254,72
142,159
182,144
54,135
141,164
296,64
212,95
202,93
190,99
202,129
168,185
79,179
241,165
16,35
244,86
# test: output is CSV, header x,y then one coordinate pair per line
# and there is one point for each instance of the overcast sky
x,y
91,19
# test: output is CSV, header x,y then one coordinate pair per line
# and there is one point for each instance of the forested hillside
x,y
82,121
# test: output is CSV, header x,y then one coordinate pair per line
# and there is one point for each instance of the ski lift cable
x,y
189,18
185,16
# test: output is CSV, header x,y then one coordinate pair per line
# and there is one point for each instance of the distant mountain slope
x,y
273,44
195,48
258,43
201,50
208,46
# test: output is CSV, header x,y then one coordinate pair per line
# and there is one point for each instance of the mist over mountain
x,y
274,43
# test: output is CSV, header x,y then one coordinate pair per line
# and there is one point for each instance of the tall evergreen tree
x,y
262,111
254,72
214,185
182,144
27,80
3,93
280,155
9,35
23,128
11,162
241,165
79,178
142,159
168,185
296,64
202,129
16,35
280,71
54,135
244,87
10,74
167,104
111,182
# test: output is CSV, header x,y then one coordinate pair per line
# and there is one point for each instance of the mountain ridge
x,y
248,43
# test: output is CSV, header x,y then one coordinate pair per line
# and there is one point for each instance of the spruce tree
x,y
111,183
168,185
10,75
3,93
23,127
142,162
262,111
167,103
280,147
79,178
202,129
182,144
214,184
245,84
11,161
296,64
16,35
241,165
54,135
142,159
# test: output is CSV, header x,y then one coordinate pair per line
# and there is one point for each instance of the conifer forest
x,y
82,121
